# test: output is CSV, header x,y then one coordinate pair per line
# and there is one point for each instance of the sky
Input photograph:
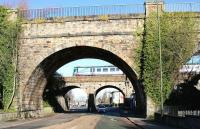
x,y
69,3
194,60
78,94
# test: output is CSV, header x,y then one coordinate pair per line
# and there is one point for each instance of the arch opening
x,y
109,86
115,99
77,100
111,97
49,65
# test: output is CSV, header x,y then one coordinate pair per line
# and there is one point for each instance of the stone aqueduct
x,y
46,46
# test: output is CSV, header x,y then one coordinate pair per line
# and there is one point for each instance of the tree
x,y
178,43
9,31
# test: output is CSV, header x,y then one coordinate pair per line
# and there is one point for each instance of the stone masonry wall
x,y
104,78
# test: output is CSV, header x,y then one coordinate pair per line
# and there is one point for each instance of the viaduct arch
x,y
45,47
109,86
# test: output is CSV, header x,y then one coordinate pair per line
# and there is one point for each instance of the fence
x,y
49,13
182,7
180,111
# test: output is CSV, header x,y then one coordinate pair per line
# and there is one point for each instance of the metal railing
x,y
49,13
182,7
180,111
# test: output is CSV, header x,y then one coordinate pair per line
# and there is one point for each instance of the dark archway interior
x,y
58,59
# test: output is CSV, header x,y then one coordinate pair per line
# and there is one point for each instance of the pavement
x,y
147,124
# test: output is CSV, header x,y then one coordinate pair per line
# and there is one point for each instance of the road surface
x,y
114,122
109,120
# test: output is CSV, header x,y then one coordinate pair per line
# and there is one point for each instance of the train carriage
x,y
96,70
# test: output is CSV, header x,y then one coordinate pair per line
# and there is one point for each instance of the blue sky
x,y
194,60
66,3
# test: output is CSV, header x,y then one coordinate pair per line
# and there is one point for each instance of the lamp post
x,y
160,52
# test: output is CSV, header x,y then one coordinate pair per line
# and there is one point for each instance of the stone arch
x,y
32,92
109,86
68,88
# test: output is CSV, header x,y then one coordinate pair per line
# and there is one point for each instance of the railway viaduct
x,y
92,85
47,44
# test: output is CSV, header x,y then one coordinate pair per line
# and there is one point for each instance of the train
x,y
192,66
96,70
190,69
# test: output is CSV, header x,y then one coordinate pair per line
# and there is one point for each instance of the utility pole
x,y
160,47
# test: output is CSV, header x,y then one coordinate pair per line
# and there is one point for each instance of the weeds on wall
x,y
178,41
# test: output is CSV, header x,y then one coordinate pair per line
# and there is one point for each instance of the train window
x,y
98,69
92,69
117,69
112,69
105,69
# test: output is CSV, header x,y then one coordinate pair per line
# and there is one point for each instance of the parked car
x,y
101,108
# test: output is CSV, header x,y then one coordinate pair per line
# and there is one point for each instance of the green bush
x,y
9,31
178,40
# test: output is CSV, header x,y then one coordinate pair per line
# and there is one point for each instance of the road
x,y
109,120
114,122
96,121
72,121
